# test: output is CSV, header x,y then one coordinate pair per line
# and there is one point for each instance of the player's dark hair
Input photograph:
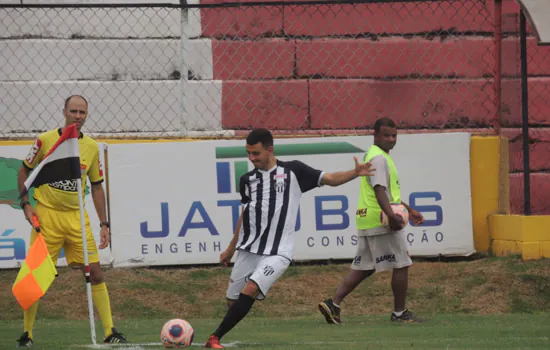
x,y
384,121
260,135
69,99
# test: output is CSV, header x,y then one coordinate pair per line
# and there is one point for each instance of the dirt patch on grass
x,y
484,286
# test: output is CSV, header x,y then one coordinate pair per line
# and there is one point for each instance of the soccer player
x,y
57,209
264,236
378,248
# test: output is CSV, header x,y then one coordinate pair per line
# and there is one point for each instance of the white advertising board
x,y
177,203
14,229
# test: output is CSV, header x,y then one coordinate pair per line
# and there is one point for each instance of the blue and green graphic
x,y
9,194
240,167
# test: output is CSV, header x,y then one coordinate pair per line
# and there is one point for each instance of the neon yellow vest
x,y
369,213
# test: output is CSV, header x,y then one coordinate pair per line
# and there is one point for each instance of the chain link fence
x,y
217,70
538,80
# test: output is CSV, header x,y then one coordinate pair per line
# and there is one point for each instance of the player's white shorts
x,y
382,252
264,270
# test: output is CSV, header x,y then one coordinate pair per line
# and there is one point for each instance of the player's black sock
x,y
235,314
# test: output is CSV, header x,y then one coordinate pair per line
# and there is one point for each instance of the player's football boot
x,y
115,337
214,343
330,311
24,341
406,316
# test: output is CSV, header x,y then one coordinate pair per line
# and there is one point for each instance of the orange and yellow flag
x,y
36,274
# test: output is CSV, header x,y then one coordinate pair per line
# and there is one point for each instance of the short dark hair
x,y
69,99
384,121
261,135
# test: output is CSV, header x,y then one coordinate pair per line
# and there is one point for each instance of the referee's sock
x,y
235,314
100,296
29,316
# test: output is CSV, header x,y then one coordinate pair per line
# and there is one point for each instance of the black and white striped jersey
x,y
271,200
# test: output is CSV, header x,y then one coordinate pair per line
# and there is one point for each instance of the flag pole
x,y
86,264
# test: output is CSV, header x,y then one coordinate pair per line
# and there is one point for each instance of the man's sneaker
x,y
24,341
330,311
115,337
213,343
406,316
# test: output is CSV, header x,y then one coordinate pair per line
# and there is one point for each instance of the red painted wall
x,y
427,65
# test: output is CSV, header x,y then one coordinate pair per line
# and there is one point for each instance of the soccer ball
x,y
177,333
400,210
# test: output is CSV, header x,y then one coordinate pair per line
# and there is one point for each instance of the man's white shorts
x,y
264,270
382,252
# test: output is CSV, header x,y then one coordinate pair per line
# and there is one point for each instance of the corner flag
x,y
36,275
61,163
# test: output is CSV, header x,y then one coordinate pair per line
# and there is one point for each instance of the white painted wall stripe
x,y
49,59
115,107
125,61
90,23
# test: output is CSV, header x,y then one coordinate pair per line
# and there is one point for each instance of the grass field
x,y
484,303
366,332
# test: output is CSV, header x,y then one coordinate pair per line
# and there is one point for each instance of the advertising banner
x,y
177,202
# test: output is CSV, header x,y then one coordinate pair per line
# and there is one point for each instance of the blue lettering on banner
x,y
428,235
188,224
205,223
342,220
326,241
174,248
438,210
165,224
320,213
11,248
331,214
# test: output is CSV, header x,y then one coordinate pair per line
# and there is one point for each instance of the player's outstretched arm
x,y
342,177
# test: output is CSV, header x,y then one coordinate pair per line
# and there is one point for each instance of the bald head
x,y
75,111
74,96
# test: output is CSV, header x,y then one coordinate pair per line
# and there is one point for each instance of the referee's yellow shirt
x,y
62,195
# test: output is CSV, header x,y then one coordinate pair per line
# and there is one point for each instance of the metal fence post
x,y
525,115
183,68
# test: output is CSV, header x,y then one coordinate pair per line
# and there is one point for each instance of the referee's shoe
x,y
115,338
24,341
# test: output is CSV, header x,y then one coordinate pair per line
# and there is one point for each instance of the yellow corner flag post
x,y
36,274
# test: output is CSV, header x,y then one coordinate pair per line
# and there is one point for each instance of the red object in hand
x,y
35,223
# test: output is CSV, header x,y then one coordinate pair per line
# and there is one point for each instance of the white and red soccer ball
x,y
177,333
400,210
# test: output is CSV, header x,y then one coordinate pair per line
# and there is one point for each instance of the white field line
x,y
142,346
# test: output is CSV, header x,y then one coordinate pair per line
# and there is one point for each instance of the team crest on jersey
x,y
280,185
